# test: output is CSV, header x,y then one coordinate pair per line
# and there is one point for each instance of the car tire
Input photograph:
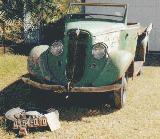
x,y
121,94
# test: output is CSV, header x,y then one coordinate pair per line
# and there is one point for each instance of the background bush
x,y
41,12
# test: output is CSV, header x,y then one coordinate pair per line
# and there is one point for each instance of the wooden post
x,y
3,29
83,8
3,32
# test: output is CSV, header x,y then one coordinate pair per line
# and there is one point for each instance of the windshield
x,y
113,12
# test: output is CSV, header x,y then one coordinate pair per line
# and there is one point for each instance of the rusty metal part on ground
x,y
22,120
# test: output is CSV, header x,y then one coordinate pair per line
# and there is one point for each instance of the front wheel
x,y
120,95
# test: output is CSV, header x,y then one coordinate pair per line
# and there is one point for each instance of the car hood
x,y
95,27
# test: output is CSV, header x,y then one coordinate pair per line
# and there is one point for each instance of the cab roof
x,y
101,4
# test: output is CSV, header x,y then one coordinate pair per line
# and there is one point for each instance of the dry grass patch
x,y
11,68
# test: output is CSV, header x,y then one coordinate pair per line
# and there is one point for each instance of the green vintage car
x,y
92,49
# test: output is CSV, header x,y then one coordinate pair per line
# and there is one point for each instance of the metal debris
x,y
22,120
53,121
13,114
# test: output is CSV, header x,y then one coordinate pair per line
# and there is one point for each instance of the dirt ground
x,y
139,119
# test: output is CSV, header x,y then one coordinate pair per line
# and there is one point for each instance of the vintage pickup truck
x,y
92,49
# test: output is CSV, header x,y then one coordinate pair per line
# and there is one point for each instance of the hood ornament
x,y
78,32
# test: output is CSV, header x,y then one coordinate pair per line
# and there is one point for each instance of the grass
x,y
11,68
139,119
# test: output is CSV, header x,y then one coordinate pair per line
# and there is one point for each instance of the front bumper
x,y
63,89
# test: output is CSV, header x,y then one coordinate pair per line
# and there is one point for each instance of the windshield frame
x,y
124,17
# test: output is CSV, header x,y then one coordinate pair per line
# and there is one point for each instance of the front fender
x,y
118,63
36,62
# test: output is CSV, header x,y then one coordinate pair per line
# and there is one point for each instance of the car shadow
x,y
71,107
152,59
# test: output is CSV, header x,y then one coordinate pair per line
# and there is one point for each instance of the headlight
x,y
57,48
99,50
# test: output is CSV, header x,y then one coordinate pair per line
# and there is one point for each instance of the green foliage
x,y
45,10
41,11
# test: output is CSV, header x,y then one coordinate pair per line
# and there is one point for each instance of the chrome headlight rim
x,y
57,48
102,53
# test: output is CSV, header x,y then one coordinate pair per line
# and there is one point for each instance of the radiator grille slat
x,y
76,55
